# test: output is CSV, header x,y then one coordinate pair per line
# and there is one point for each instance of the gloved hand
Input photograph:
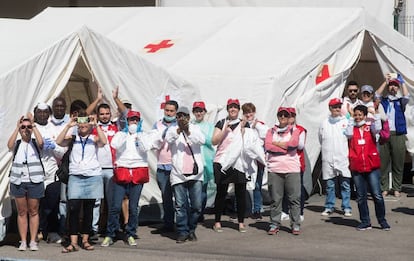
x,y
49,144
400,79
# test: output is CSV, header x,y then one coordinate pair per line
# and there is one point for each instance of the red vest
x,y
363,153
110,133
301,153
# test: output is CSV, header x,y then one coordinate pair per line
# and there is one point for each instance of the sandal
x,y
87,246
69,249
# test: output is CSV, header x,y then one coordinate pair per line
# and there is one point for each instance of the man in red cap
x,y
393,151
207,149
335,163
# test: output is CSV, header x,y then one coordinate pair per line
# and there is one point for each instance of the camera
x,y
83,119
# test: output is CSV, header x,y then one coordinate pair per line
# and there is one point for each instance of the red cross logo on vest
x,y
167,98
323,73
152,48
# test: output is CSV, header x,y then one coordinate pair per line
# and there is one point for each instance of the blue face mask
x,y
169,118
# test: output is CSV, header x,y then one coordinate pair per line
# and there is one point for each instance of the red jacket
x,y
363,153
301,153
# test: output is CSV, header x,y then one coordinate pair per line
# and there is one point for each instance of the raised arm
x,y
91,108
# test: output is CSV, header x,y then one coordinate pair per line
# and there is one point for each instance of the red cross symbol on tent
x,y
152,48
167,98
323,74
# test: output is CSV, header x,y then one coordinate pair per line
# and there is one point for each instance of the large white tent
x,y
268,56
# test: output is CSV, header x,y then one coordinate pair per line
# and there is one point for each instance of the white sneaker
x,y
284,216
33,246
23,246
107,242
326,212
347,213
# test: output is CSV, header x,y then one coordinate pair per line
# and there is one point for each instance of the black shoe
x,y
201,219
163,230
256,216
94,236
181,239
192,237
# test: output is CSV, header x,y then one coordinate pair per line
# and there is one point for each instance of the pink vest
x,y
164,154
227,139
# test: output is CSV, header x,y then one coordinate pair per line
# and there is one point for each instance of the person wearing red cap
x,y
207,149
85,183
335,162
224,134
130,173
301,147
260,129
393,151
283,166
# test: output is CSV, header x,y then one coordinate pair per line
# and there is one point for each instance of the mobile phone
x,y
393,75
83,119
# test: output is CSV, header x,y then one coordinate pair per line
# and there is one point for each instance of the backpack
x,y
18,142
385,132
63,171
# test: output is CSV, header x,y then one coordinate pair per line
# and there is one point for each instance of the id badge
x,y
361,142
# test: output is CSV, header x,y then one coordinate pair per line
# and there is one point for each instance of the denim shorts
x,y
28,189
85,187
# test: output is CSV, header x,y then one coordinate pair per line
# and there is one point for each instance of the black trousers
x,y
76,207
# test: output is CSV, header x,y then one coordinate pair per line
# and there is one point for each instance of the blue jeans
x,y
106,176
163,181
362,181
257,192
119,191
345,193
187,205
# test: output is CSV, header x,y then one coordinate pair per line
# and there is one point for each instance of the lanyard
x,y
83,145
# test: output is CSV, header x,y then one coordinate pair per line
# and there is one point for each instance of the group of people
x,y
364,140
108,160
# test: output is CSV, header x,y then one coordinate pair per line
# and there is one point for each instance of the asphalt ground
x,y
322,238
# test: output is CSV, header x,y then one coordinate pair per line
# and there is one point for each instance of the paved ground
x,y
322,238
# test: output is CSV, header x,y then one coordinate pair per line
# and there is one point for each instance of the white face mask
x,y
132,128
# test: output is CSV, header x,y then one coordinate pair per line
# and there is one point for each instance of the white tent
x,y
269,56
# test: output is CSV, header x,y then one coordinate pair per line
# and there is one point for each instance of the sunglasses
x,y
135,118
353,90
366,94
26,126
182,115
283,114
198,110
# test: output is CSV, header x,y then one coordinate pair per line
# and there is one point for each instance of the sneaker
x,y
385,226
192,237
302,218
107,242
256,216
23,246
363,227
33,246
296,230
348,213
327,212
284,216
132,241
273,230
181,239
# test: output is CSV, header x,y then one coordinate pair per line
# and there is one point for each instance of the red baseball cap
x,y
199,104
335,101
394,82
132,113
291,110
286,109
233,101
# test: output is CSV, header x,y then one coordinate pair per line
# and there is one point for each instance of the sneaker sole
x,y
363,229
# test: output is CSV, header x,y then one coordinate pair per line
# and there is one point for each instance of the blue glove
x,y
400,78
49,144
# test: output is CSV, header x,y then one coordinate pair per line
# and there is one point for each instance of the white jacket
x,y
178,146
131,149
334,147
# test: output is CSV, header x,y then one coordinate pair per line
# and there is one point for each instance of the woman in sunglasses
x,y
26,178
283,165
85,183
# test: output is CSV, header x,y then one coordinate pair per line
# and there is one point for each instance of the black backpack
x,y
63,170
